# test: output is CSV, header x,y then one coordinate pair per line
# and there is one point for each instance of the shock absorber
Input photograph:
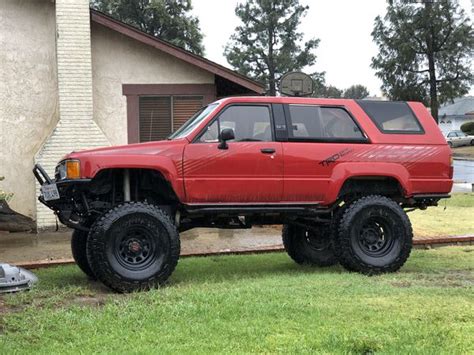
x,y
126,185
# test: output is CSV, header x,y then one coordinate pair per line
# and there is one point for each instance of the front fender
x,y
170,170
344,171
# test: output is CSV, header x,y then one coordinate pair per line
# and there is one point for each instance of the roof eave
x,y
186,56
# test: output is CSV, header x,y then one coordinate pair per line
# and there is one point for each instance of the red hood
x,y
149,148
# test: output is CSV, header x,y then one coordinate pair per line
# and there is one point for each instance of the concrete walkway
x,y
51,246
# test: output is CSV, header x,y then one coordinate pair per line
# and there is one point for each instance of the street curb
x,y
463,158
419,243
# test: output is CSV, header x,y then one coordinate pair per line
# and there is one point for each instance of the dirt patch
x,y
454,278
3,307
89,301
401,284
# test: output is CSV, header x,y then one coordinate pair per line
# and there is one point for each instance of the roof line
x,y
186,56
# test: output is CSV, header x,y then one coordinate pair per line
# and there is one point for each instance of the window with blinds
x,y
162,115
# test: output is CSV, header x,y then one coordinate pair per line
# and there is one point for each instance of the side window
x,y
338,124
451,135
250,124
211,134
315,122
391,117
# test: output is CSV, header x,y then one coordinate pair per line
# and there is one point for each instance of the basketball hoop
x,y
296,84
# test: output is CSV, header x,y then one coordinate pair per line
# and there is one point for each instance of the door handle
x,y
267,150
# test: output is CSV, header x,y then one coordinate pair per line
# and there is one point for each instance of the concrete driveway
x,y
22,247
464,171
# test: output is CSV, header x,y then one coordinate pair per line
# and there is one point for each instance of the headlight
x,y
68,169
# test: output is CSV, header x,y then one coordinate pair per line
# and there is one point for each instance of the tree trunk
x,y
432,68
433,90
271,64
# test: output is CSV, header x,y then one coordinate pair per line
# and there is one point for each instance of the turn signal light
x,y
73,169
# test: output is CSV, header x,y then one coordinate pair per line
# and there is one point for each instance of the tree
x,y
323,90
330,92
166,19
267,44
468,128
424,52
356,92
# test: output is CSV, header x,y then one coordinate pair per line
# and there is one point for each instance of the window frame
x,y
139,123
172,113
289,125
384,131
225,108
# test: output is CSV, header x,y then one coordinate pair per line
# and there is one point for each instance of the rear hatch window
x,y
392,117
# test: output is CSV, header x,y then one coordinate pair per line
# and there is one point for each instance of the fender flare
x,y
162,164
345,171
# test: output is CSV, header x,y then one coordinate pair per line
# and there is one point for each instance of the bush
x,y
468,128
3,195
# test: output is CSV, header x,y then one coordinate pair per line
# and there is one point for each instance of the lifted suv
x,y
337,174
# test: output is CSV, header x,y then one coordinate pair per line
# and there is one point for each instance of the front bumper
x,y
70,192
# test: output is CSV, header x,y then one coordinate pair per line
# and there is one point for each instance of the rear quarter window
x,y
311,122
392,117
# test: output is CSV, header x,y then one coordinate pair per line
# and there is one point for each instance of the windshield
x,y
193,122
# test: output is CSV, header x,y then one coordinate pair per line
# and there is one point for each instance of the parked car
x,y
338,174
459,139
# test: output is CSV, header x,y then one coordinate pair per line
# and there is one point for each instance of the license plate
x,y
50,192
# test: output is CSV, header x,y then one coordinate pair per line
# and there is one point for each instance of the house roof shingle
x,y
460,107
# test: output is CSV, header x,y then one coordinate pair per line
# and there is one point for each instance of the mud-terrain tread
x,y
334,227
294,253
98,260
79,252
348,259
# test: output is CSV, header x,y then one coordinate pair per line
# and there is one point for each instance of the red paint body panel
x,y
241,173
200,173
163,156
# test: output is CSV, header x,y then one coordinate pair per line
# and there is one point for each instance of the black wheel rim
x,y
137,248
375,238
316,241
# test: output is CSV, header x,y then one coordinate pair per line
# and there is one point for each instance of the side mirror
x,y
227,134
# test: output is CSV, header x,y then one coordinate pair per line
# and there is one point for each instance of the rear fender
x,y
345,171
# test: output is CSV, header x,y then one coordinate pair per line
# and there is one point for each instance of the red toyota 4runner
x,y
337,174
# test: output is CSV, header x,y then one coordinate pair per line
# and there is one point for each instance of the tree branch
x,y
443,42
415,71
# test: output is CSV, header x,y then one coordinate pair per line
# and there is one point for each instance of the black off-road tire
x,y
79,253
133,247
334,226
309,247
375,236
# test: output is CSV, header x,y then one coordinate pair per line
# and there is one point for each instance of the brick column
x,y
76,128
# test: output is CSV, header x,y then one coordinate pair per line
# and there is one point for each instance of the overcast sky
x,y
343,26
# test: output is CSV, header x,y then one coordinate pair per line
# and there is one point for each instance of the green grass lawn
x,y
256,303
453,216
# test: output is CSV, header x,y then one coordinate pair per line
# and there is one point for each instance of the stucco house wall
x,y
63,68
117,60
28,93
